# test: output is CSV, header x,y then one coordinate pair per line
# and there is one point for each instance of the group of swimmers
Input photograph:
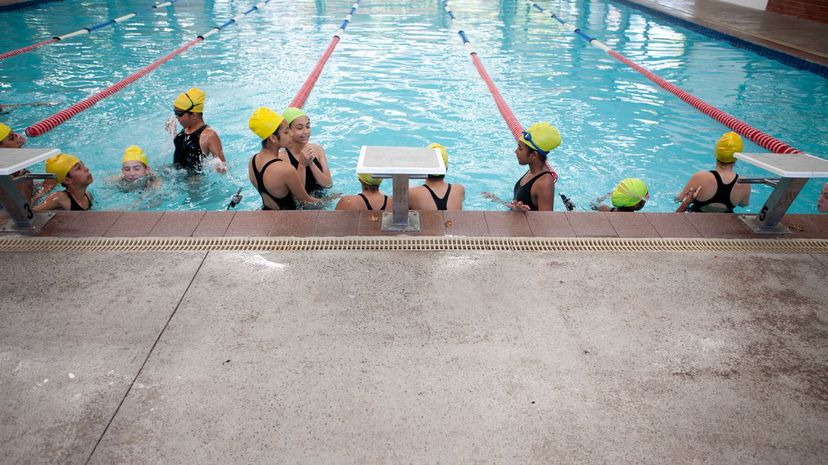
x,y
290,171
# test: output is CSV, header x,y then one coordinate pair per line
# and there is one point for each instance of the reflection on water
x,y
400,76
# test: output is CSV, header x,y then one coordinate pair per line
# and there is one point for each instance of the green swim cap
x,y
291,113
629,192
369,180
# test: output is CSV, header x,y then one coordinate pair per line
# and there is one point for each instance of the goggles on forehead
x,y
527,136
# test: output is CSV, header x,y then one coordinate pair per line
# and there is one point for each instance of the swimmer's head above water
x,y
268,125
134,163
10,139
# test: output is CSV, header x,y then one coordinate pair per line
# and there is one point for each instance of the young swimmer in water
x,y
371,197
629,195
75,178
12,140
136,173
306,157
436,193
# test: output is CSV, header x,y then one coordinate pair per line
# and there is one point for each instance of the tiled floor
x,y
802,38
455,223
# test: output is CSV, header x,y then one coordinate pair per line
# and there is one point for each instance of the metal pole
x,y
400,183
16,206
780,199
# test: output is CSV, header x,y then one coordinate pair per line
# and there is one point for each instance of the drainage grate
x,y
50,244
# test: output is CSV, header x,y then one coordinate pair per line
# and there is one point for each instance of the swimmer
x,y
135,170
8,107
822,203
12,140
280,185
75,178
629,195
717,190
311,163
436,194
535,190
371,197
196,140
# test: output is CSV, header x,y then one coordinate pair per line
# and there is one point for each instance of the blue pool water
x,y
400,76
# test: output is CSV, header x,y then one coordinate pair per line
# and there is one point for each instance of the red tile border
x,y
293,223
807,226
507,224
549,224
177,224
213,224
453,223
630,224
719,225
468,224
431,224
135,224
336,223
91,224
673,225
590,224
255,223
59,223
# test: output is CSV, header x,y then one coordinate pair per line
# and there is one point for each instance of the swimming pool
x,y
400,76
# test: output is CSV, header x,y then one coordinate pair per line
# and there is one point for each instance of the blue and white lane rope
x,y
85,30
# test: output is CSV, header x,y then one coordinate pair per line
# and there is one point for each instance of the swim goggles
x,y
527,136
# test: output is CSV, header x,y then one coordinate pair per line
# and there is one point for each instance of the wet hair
x,y
275,133
436,177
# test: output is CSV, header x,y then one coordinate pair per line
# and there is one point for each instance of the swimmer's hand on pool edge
x,y
518,206
688,199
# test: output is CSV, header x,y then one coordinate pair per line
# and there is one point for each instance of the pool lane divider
x,y
758,137
85,30
306,88
47,124
502,106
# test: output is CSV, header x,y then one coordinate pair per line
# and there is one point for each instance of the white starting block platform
x,y
400,164
794,171
23,219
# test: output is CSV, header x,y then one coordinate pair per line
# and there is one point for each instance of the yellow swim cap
x,y
134,153
192,100
291,113
4,131
369,180
542,137
727,145
442,152
60,164
629,192
264,122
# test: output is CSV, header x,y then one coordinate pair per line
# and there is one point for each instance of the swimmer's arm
x,y
56,201
746,200
47,186
323,176
544,202
604,208
461,192
346,203
694,182
213,147
297,188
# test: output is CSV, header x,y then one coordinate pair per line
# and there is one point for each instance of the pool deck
x,y
793,36
409,356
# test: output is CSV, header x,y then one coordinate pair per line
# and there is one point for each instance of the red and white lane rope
x,y
47,124
506,112
756,136
305,91
85,30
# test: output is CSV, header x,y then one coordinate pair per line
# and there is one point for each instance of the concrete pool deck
x,y
461,356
